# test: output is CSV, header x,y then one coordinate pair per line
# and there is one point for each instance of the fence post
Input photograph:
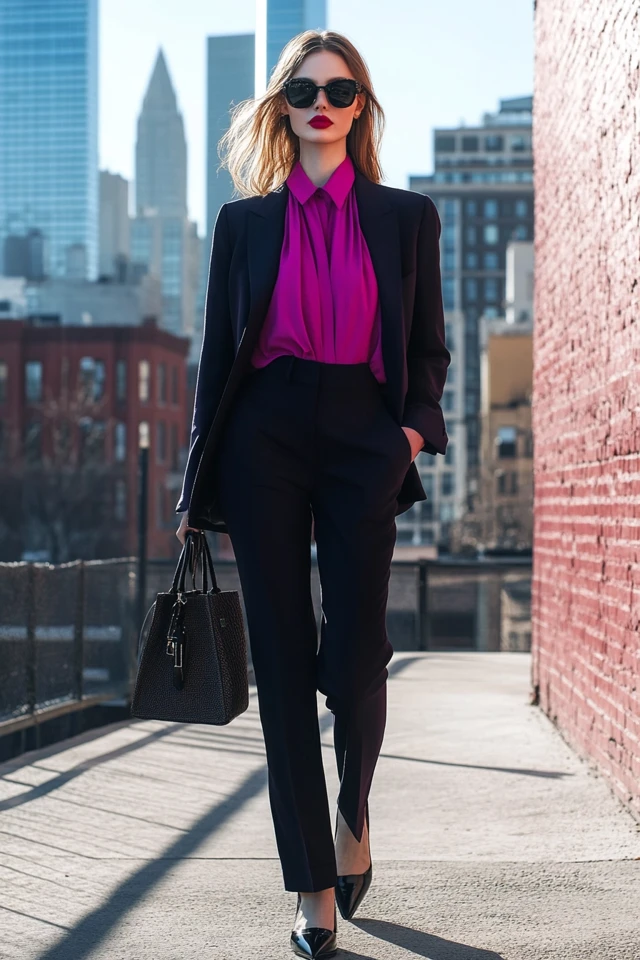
x,y
78,634
423,605
31,638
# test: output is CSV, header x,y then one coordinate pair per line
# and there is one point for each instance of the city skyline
x,y
486,54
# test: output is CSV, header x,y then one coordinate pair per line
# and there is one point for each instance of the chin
x,y
328,135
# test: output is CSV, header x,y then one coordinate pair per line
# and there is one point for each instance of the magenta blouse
x,y
325,301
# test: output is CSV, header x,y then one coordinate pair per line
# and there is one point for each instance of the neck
x,y
319,160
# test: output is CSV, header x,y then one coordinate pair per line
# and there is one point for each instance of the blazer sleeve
x,y
216,353
427,355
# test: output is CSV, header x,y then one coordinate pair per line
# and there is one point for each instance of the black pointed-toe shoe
x,y
351,888
313,942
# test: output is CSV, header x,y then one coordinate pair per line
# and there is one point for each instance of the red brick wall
x,y
586,409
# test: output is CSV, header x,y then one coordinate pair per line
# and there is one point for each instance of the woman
x,y
322,366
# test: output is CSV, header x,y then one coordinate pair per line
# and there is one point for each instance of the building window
x,y
121,380
33,380
61,441
518,143
120,500
162,383
4,381
143,380
471,289
33,441
450,454
161,441
470,144
92,437
507,442
449,237
471,208
92,378
449,211
175,453
120,442
448,335
491,209
447,401
472,236
445,144
448,293
446,483
174,385
490,261
491,311
449,260
491,234
494,142
521,232
471,261
522,208
143,434
491,289
64,374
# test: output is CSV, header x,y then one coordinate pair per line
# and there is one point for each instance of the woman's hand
x,y
181,532
416,441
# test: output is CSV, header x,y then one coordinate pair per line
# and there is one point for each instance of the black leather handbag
x,y
192,666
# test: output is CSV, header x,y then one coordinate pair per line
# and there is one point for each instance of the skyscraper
x,y
49,129
483,188
277,21
114,222
164,242
230,79
161,148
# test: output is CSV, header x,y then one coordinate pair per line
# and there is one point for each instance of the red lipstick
x,y
320,122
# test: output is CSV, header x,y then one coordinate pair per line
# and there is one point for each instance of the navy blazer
x,y
402,231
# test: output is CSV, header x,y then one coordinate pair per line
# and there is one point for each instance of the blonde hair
x,y
260,149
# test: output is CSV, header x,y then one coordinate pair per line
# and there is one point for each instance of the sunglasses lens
x,y
341,93
300,93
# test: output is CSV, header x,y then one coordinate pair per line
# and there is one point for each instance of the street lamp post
x,y
143,504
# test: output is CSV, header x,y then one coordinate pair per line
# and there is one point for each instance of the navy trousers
x,y
310,440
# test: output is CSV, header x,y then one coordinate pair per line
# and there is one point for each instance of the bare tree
x,y
57,490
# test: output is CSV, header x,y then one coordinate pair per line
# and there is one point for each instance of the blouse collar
x,y
337,186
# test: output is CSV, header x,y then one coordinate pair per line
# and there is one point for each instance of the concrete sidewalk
x,y
490,839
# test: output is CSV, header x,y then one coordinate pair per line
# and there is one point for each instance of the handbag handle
x,y
203,555
209,562
195,550
183,561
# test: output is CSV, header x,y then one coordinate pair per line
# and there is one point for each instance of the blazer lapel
x,y
265,235
380,228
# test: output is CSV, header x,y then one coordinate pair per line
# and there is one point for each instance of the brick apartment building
x,y
74,403
586,400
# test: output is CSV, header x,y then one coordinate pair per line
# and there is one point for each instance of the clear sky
x,y
433,64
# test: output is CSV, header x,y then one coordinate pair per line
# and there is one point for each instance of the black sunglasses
x,y
302,93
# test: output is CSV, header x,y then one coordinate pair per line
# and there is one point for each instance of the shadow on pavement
x,y
417,942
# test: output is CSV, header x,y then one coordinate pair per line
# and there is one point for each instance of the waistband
x,y
301,370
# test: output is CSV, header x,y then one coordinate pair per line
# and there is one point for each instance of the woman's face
x,y
321,67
